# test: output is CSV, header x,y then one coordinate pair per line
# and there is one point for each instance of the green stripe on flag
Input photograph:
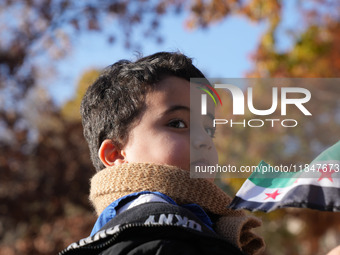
x,y
332,153
267,178
267,190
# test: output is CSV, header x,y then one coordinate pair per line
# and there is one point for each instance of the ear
x,y
109,154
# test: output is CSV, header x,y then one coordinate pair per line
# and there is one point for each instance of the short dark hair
x,y
116,99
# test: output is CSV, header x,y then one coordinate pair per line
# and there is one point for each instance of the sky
x,y
222,50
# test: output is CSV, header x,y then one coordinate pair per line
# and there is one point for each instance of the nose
x,y
200,139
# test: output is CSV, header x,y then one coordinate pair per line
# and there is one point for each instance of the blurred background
x,y
51,50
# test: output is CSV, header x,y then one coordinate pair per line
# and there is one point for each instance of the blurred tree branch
x,y
43,158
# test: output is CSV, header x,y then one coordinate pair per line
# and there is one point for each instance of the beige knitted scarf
x,y
115,182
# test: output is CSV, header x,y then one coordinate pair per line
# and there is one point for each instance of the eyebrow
x,y
175,108
185,108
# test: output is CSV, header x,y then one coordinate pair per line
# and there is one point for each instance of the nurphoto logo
x,y
238,105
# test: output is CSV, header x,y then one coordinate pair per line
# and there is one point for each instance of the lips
x,y
200,162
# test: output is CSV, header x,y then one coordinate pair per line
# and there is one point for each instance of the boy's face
x,y
162,135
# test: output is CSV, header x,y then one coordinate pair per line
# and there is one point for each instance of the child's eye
x,y
211,132
177,124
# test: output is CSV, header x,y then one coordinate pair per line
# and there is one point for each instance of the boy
x,y
136,119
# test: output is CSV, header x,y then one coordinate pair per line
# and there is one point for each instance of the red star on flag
x,y
326,172
272,195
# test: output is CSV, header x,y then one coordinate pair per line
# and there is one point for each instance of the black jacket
x,y
153,228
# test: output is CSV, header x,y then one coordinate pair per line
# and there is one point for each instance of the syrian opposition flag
x,y
316,186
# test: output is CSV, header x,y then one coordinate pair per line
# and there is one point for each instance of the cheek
x,y
214,155
179,146
159,147
175,150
